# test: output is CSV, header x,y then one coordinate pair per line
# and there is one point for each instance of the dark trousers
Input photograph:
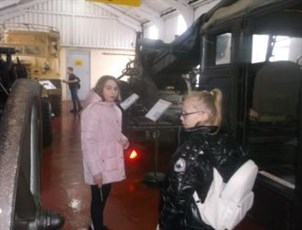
x,y
98,201
75,99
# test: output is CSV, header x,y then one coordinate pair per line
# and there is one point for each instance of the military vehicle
x,y
251,50
22,127
253,53
37,47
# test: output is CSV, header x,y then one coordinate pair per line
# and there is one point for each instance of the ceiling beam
x,y
184,8
6,3
17,10
153,16
149,13
121,17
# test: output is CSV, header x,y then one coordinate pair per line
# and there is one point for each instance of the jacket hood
x,y
92,97
201,130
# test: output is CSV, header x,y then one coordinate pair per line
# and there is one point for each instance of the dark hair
x,y
70,68
99,86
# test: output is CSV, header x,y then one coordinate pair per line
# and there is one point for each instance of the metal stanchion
x,y
155,177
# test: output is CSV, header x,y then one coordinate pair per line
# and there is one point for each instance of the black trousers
x,y
98,202
75,99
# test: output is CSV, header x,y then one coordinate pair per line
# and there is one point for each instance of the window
x,y
153,32
223,48
275,48
181,25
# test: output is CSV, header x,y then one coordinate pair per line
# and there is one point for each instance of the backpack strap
x,y
245,176
208,209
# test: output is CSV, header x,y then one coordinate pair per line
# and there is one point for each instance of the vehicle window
x,y
223,48
276,48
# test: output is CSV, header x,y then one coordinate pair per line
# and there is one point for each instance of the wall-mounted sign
x,y
78,62
129,101
158,109
120,2
47,84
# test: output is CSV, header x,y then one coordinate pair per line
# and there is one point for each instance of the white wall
x,y
102,62
108,62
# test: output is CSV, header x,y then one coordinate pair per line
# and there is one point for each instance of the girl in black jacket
x,y
204,144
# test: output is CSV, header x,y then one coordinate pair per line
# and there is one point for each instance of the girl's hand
x,y
98,179
124,142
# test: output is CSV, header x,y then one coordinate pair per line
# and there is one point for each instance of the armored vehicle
x,y
38,49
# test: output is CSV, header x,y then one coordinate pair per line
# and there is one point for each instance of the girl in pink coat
x,y
102,145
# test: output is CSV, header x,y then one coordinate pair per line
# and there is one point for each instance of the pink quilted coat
x,y
100,139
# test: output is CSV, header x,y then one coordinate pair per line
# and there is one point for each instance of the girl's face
x,y
110,91
191,115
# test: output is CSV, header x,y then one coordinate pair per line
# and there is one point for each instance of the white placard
x,y
158,109
47,84
129,101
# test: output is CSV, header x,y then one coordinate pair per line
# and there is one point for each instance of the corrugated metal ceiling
x,y
159,8
148,11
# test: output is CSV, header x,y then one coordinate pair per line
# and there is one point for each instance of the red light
x,y
133,154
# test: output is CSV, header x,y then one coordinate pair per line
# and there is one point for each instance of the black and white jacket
x,y
191,170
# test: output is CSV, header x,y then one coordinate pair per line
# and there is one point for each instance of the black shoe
x,y
51,219
80,108
72,111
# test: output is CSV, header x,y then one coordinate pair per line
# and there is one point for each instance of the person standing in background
x,y
74,83
102,145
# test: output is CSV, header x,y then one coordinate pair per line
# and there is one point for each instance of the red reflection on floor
x,y
132,204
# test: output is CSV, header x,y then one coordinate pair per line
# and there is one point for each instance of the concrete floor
x,y
132,205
